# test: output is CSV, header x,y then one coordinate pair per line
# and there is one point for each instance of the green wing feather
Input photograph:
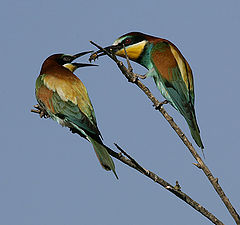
x,y
71,113
174,88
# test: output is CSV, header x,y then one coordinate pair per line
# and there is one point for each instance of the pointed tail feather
x,y
188,112
195,131
103,156
196,136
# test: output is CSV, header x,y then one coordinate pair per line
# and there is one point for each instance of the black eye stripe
x,y
127,41
132,40
63,59
67,58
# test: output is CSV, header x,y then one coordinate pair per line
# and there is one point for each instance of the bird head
x,y
65,61
135,44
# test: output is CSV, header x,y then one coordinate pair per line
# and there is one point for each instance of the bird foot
x,y
133,78
41,111
141,76
160,104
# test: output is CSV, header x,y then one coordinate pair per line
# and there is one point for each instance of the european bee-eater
x,y
65,99
169,69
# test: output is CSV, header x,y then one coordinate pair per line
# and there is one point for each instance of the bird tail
x,y
195,131
103,155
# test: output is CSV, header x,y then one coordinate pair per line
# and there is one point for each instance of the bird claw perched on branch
x,y
39,110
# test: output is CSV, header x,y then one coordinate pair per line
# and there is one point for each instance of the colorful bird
x,y
65,99
169,69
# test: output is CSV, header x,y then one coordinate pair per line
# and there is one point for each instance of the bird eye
x,y
127,41
67,58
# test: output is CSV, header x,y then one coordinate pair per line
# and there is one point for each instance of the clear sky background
x,y
49,176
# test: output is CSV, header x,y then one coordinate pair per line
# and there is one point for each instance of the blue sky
x,y
49,176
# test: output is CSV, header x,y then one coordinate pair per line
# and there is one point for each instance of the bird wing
x,y
67,98
175,74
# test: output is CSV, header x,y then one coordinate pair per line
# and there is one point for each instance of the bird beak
x,y
112,49
80,54
77,65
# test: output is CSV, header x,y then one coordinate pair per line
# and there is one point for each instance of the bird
x,y
167,66
65,99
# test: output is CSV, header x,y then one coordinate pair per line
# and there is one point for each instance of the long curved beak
x,y
111,48
78,65
80,54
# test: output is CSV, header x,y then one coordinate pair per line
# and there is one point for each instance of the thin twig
x,y
140,168
176,190
131,77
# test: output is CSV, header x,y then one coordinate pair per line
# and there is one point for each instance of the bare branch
x,y
132,78
176,190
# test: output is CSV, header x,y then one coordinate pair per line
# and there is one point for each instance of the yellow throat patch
x,y
133,51
70,66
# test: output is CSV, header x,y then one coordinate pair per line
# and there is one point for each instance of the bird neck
x,y
145,57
